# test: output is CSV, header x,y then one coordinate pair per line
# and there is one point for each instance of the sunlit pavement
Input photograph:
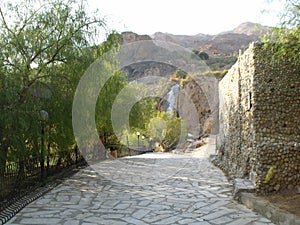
x,y
154,188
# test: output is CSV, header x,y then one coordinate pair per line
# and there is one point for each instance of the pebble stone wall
x,y
259,113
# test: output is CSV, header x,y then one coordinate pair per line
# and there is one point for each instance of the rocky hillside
x,y
201,90
225,43
222,48
129,37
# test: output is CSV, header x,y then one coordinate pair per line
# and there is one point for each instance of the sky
x,y
189,17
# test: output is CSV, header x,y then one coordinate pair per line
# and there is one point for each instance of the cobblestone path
x,y
151,189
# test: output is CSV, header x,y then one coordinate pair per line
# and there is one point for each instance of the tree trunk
x,y
3,157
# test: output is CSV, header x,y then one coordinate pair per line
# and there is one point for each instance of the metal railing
x,y
22,177
23,181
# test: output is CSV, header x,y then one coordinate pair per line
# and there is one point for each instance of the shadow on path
x,y
155,188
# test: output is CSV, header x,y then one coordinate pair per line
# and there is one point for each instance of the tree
x,y
201,55
284,40
196,52
141,114
44,48
104,106
180,74
166,129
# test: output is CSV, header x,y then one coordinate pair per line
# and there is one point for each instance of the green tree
x,y
166,129
180,74
141,114
44,49
132,110
110,90
195,51
203,56
285,39
104,106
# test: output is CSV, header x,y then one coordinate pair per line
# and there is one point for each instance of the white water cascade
x,y
172,98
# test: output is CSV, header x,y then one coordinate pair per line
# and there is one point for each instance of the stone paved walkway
x,y
149,189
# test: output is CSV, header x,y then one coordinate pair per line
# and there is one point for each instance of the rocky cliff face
x,y
148,68
203,92
224,43
129,37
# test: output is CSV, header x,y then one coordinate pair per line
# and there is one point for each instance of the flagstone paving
x,y
155,188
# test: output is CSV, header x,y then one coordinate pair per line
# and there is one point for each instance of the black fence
x,y
23,181
123,151
20,178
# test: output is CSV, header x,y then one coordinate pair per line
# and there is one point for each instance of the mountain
x,y
225,43
222,48
188,41
251,29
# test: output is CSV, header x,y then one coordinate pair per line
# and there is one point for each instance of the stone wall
x,y
259,115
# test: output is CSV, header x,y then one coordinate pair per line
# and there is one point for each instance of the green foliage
x,y
195,51
165,128
104,106
44,52
141,113
179,76
286,44
285,40
113,40
144,117
201,55
221,63
216,73
291,15
157,127
131,139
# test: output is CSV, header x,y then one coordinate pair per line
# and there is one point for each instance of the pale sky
x,y
186,17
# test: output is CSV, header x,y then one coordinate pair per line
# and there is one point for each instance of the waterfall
x,y
172,98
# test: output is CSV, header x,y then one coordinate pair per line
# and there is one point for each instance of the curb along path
x,y
149,189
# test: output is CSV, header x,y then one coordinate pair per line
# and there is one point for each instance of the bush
x,y
203,55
